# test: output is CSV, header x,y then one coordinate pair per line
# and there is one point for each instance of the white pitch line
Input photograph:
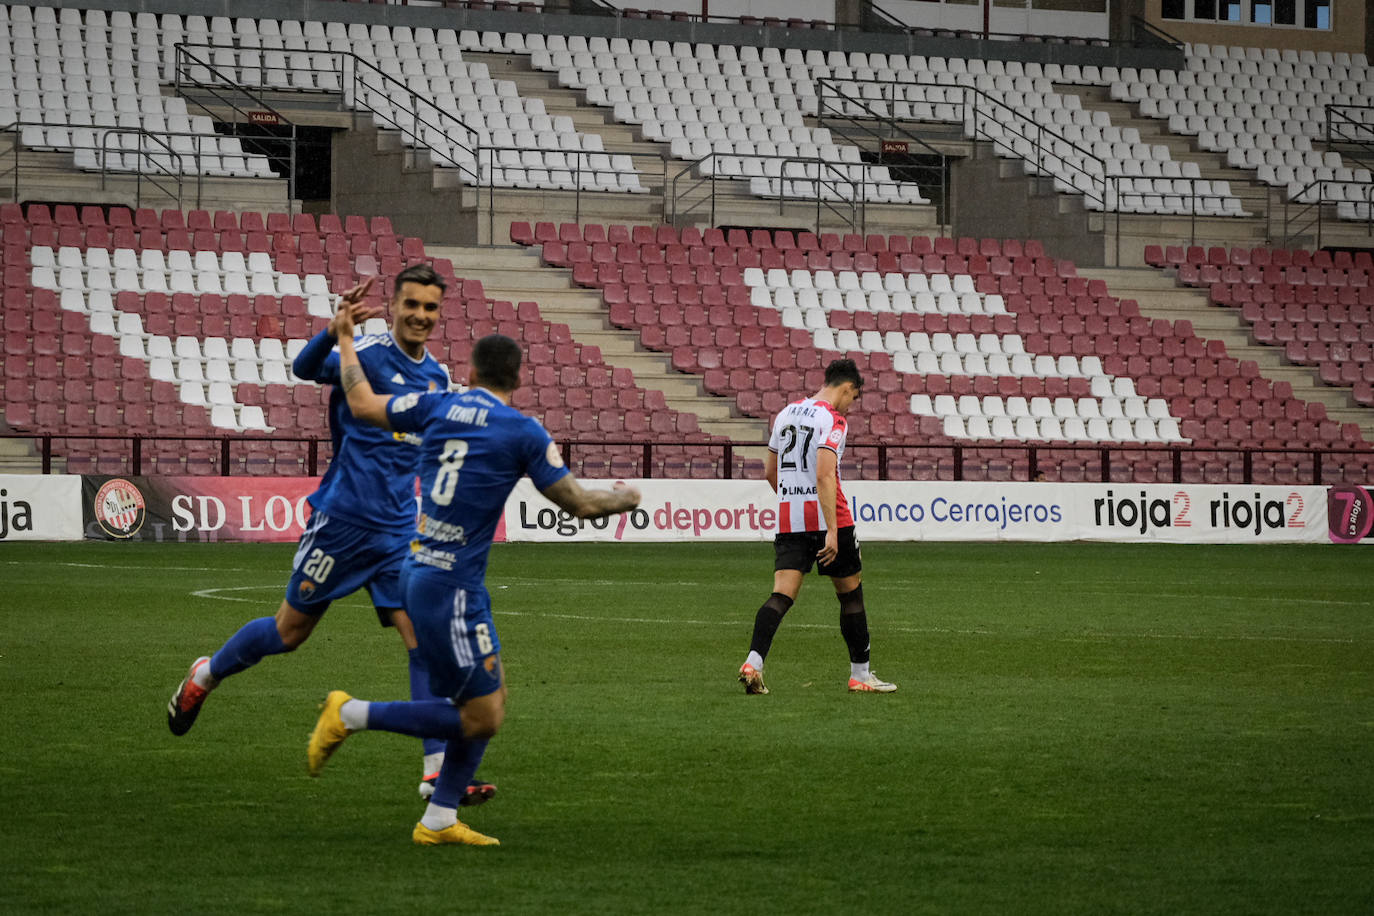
x,y
213,592
204,569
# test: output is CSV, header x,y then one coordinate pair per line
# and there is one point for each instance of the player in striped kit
x,y
814,524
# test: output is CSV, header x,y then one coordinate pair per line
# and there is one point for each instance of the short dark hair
x,y
423,274
841,371
496,363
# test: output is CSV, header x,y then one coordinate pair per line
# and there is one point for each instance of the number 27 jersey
x,y
800,430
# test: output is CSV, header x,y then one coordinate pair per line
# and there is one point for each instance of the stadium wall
x,y
1348,32
613,27
263,509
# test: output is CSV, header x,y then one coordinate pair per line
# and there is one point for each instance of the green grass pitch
x,y
1080,729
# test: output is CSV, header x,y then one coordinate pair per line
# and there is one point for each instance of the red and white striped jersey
x,y
801,429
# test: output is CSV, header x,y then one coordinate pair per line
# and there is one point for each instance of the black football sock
x,y
766,622
854,625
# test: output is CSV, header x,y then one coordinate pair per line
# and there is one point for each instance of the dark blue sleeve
x,y
543,461
317,361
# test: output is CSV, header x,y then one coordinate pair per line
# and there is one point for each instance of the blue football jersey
x,y
371,479
474,450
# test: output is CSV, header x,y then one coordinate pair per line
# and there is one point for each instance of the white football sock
x,y
432,764
755,660
858,671
437,818
354,714
202,679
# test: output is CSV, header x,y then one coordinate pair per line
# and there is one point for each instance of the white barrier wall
x,y
35,508
696,510
258,509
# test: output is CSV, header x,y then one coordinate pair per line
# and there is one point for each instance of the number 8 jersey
x,y
801,429
475,449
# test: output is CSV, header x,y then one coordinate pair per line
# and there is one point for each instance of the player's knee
x,y
482,718
852,602
293,626
483,723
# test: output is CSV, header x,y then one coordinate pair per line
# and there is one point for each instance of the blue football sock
x,y
419,690
424,719
254,641
461,759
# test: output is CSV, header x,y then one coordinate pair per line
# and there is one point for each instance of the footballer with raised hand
x,y
363,511
475,447
814,524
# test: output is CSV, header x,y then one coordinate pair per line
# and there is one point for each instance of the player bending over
x,y
363,512
814,524
475,448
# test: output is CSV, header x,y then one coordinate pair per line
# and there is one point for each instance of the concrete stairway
x,y
666,177
1160,297
515,274
1266,225
20,456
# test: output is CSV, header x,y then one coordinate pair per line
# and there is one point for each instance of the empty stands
x,y
193,318
968,342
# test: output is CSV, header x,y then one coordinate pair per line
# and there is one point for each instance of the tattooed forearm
x,y
351,376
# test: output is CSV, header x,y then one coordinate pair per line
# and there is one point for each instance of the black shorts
x,y
798,549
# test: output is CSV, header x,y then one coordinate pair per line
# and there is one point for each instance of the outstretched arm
x,y
571,496
310,364
365,404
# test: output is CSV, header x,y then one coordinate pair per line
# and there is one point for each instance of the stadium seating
x,y
199,314
1263,108
970,342
1316,306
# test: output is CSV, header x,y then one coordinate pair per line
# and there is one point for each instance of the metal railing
x,y
854,112
1306,212
1107,462
427,129
157,161
835,188
873,18
192,68
985,117
1354,134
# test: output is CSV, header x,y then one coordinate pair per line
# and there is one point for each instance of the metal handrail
x,y
1338,121
158,137
708,174
975,119
957,452
894,131
1145,34
142,158
185,62
1313,210
872,14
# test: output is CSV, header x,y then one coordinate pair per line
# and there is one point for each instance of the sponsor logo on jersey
x,y
404,402
399,379
119,508
428,556
553,456
436,530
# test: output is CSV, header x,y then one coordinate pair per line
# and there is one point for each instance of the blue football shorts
x,y
335,558
457,638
